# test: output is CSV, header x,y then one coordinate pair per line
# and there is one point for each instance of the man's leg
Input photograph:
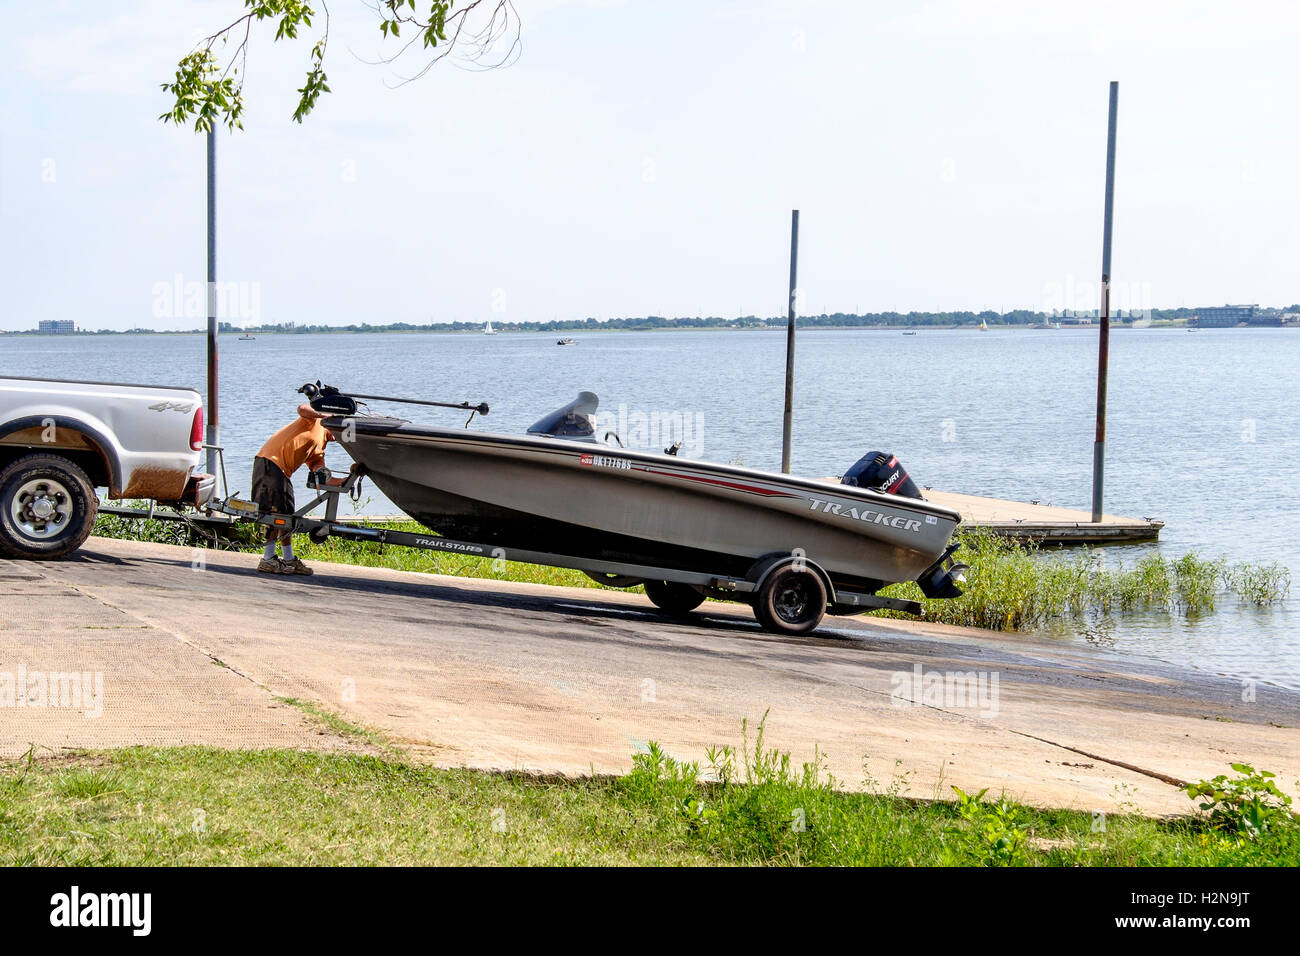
x,y
270,564
272,535
289,563
267,491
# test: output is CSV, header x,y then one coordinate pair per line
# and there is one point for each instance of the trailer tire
x,y
47,507
791,600
673,597
319,535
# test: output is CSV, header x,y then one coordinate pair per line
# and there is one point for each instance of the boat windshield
x,y
574,421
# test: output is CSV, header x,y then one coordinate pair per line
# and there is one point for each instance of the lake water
x,y
1204,427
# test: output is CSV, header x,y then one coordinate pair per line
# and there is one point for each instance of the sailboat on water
x,y
488,330
983,326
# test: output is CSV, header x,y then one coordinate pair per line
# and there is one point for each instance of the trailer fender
x,y
768,563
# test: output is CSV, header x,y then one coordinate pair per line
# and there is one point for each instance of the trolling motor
x,y
328,399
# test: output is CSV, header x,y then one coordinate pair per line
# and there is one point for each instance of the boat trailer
x,y
789,592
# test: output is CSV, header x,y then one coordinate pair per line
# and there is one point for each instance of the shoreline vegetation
x,y
1010,586
746,805
877,321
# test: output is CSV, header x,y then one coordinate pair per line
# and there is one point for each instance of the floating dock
x,y
1044,523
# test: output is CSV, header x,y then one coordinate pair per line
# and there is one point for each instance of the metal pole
x,y
789,345
214,426
1103,349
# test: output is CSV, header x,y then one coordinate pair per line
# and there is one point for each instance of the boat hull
x,y
591,501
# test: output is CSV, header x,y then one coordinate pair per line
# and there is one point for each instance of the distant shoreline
x,y
1171,325
235,334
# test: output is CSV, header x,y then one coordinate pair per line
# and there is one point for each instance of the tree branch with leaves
x,y
209,89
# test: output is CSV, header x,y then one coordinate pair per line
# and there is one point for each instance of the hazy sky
x,y
643,158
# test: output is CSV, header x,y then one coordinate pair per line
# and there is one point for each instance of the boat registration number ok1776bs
x,y
606,461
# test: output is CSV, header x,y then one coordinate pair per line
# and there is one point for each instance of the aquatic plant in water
x,y
1012,585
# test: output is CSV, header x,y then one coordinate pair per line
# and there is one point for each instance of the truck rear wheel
x,y
791,600
47,507
673,596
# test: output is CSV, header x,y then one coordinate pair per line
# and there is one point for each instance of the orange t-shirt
x,y
301,441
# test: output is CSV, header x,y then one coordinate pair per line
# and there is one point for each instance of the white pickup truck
x,y
60,440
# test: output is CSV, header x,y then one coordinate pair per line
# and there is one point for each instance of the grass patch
x,y
202,806
89,784
239,537
338,724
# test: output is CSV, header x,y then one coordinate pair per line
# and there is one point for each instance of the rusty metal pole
x,y
1103,349
788,421
214,426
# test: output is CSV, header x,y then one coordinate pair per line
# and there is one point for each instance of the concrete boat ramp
x,y
194,647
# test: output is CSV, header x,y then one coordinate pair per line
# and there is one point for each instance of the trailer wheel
x,y
318,535
791,600
47,507
673,596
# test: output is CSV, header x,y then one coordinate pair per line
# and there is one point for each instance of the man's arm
x,y
317,461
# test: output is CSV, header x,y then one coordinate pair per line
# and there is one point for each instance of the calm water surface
x,y
1204,427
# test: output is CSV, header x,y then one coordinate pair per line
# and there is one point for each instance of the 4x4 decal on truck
x,y
182,407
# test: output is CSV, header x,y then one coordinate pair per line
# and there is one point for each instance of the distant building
x,y
1225,317
56,327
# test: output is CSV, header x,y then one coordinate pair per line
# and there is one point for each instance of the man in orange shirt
x,y
300,442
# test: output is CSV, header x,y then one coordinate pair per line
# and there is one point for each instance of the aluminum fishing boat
x,y
564,490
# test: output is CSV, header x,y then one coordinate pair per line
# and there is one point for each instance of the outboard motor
x,y
880,471
574,421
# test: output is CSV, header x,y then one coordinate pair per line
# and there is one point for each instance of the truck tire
x,y
673,597
47,507
791,600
